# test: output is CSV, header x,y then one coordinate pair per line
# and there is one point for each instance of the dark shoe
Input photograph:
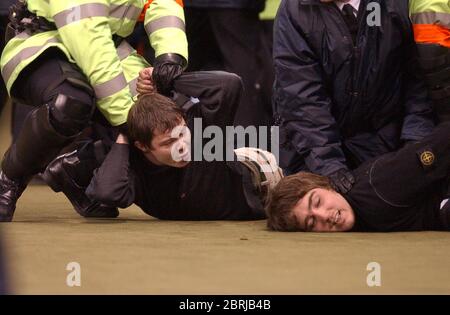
x,y
57,176
10,192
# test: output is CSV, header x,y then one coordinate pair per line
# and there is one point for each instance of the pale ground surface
x,y
136,254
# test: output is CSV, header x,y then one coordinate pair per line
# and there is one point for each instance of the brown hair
x,y
285,196
152,112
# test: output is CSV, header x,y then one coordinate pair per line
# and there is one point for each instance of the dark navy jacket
x,y
228,4
4,6
340,104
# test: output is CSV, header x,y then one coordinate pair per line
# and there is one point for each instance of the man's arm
x,y
218,93
165,26
301,97
113,183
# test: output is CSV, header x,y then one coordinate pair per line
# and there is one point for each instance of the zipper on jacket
x,y
354,93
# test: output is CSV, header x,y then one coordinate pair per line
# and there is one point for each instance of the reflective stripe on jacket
x,y
85,30
431,20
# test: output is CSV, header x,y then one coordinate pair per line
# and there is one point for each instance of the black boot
x,y
10,191
59,175
37,144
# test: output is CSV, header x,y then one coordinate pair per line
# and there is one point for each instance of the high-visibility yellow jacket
x,y
271,9
431,21
85,30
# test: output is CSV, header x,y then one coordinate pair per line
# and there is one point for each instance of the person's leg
x,y
64,104
204,53
246,54
218,92
72,172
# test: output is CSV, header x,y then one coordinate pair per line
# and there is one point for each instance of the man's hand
x,y
342,180
145,82
122,139
168,67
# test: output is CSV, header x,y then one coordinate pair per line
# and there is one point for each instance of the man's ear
x,y
141,146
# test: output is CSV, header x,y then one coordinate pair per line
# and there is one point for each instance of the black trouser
x,y
64,104
233,40
435,62
403,190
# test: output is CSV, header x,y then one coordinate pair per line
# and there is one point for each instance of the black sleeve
x,y
114,183
390,187
301,96
218,95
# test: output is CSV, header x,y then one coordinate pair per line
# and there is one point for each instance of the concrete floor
x,y
136,254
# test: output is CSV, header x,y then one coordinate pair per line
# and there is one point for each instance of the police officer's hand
x,y
167,68
145,82
342,180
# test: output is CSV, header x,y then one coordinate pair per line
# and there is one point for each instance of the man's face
x,y
170,148
322,210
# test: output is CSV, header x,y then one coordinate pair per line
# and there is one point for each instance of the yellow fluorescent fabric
x,y
85,30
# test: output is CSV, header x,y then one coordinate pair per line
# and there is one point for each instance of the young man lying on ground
x,y
400,191
153,170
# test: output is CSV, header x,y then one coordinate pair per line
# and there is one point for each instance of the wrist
x,y
122,139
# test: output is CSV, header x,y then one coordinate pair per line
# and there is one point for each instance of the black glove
x,y
342,180
166,69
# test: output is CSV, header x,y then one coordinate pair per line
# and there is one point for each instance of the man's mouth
x,y
337,217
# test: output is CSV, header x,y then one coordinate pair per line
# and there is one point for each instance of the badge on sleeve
x,y
427,158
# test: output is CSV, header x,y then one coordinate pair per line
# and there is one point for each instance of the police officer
x,y
431,22
346,89
69,57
